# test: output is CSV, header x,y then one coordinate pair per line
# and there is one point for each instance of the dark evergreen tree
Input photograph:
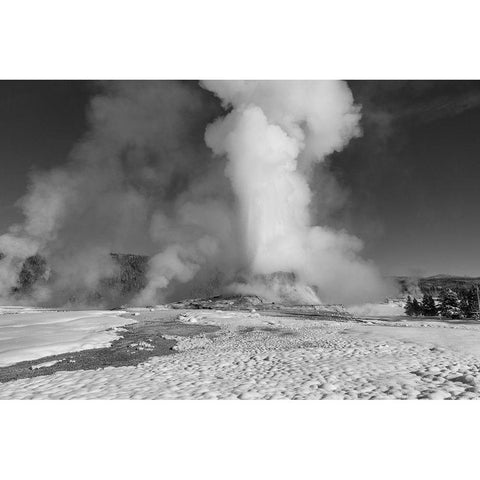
x,y
449,304
465,304
417,308
429,309
409,306
473,301
469,302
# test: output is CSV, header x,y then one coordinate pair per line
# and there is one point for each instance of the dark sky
x,y
412,180
39,123
414,176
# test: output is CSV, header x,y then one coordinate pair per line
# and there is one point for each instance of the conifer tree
x,y
417,308
469,302
429,309
449,304
409,306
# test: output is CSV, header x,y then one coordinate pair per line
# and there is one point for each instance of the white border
x,y
248,39
238,440
147,39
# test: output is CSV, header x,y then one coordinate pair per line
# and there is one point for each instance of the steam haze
x,y
218,193
273,137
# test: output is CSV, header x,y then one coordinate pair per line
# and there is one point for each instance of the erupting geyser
x,y
273,135
143,180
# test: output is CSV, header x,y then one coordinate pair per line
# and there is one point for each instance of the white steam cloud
x,y
144,180
273,134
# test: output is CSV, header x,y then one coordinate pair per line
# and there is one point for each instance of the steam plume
x,y
144,180
134,167
272,136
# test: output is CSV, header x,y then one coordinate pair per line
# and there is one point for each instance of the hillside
x,y
432,285
111,292
131,279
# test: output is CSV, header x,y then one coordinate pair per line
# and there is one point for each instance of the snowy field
x,y
29,334
387,309
257,357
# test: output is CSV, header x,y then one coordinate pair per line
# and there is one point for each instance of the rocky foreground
x,y
271,357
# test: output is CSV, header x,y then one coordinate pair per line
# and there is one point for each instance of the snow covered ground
x,y
28,334
387,309
257,357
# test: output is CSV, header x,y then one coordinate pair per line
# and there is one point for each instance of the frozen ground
x,y
258,357
28,334
391,308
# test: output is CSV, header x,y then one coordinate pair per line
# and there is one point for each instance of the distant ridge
x,y
131,279
111,292
433,284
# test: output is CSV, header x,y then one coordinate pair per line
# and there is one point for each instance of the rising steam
x,y
144,180
273,135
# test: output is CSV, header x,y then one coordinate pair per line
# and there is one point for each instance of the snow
x,y
19,309
44,364
28,334
386,309
463,340
260,357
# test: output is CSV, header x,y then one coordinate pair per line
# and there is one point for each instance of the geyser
x,y
278,287
143,180
274,133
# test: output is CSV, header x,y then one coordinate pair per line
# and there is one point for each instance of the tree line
x,y
450,304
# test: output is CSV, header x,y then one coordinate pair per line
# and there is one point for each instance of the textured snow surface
x,y
28,334
281,358
390,309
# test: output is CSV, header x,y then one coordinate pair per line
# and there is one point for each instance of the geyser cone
x,y
278,287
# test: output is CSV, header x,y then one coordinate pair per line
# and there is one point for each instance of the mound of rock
x,y
222,302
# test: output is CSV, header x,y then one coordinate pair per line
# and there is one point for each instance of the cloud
x,y
142,150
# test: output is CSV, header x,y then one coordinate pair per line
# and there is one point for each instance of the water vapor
x,y
274,134
215,189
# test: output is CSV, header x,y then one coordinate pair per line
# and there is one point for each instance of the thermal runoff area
x,y
213,196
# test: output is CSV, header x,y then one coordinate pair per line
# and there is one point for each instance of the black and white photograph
x,y
239,240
